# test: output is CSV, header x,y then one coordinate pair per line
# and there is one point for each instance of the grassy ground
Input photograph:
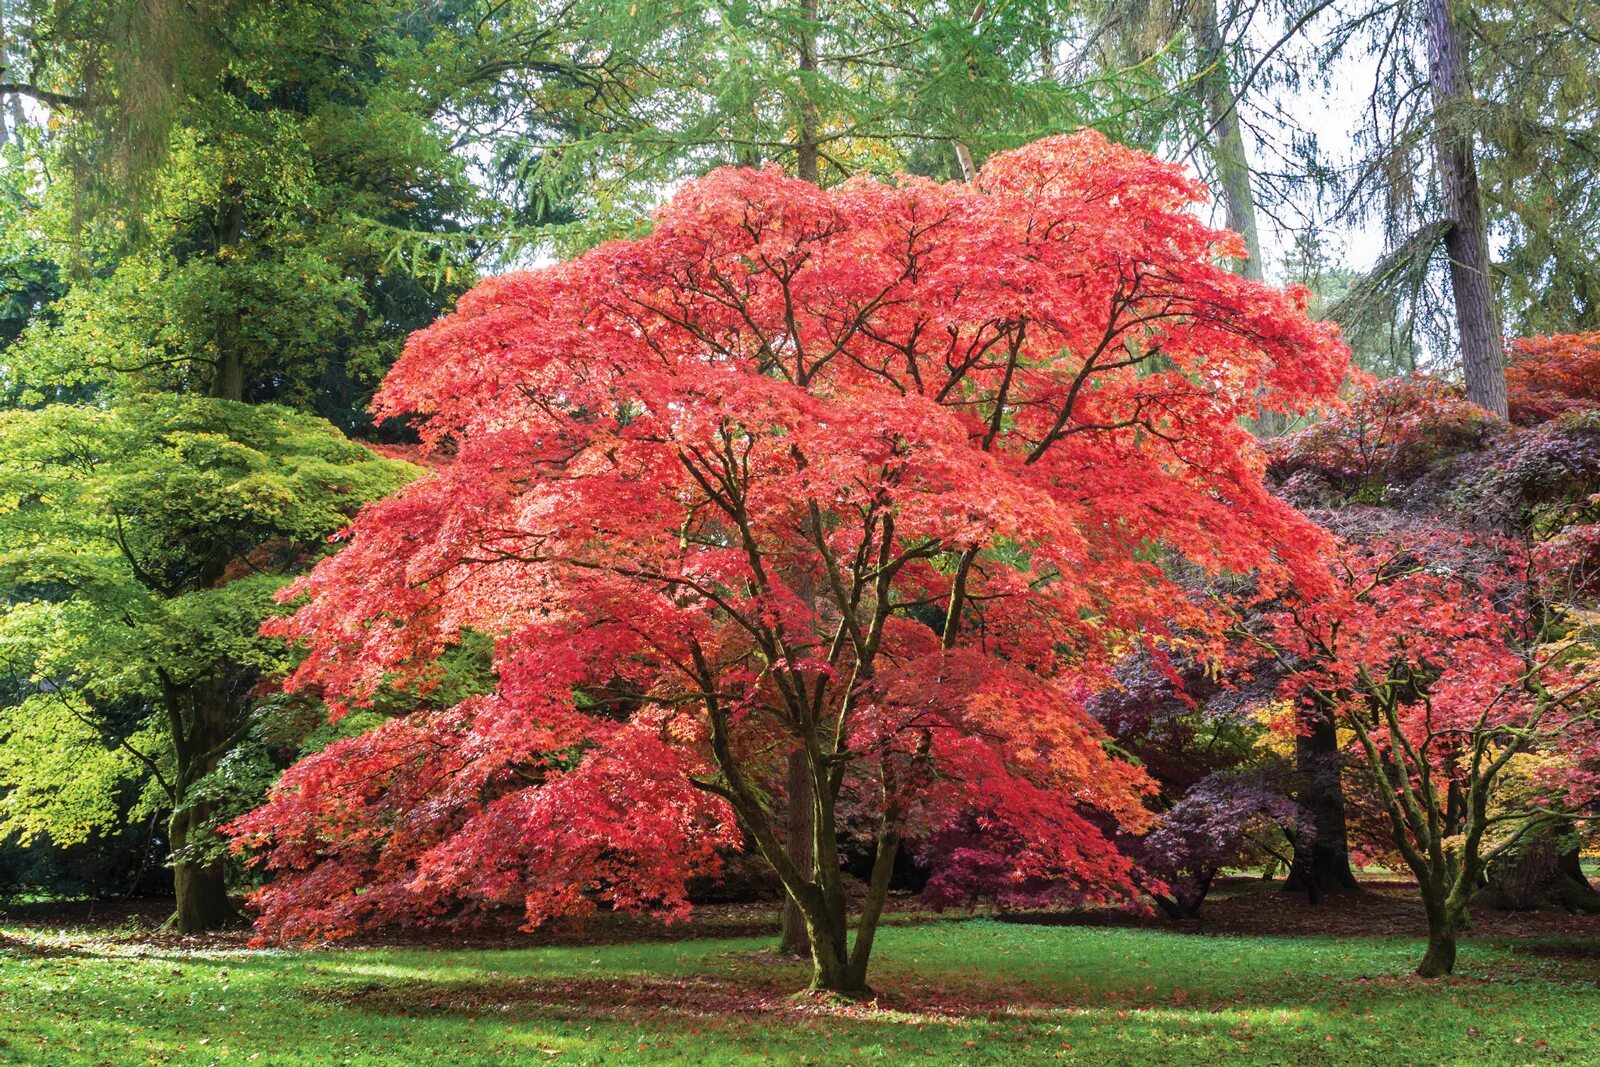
x,y
976,992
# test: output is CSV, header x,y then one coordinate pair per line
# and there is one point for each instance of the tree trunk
x,y
1225,135
837,966
969,169
1467,241
1444,926
1543,873
201,720
201,888
1574,888
1321,851
828,935
807,148
832,971
801,817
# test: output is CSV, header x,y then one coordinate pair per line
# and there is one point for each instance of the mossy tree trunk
x,y
205,725
1438,810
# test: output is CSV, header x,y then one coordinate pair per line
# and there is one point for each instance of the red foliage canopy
x,y
1395,427
885,474
1546,376
1432,652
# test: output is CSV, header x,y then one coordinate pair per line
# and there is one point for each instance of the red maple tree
x,y
1433,653
886,475
1548,375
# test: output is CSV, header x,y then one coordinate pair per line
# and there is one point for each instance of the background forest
x,y
221,221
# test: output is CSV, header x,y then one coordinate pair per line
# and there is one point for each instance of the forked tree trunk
x,y
831,970
839,966
1467,241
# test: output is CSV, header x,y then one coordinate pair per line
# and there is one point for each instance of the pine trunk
x,y
1467,241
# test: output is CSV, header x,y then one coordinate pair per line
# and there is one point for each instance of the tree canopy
x,y
882,474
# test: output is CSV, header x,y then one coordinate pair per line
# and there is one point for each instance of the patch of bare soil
x,y
1241,907
139,921
1378,908
1381,907
698,1000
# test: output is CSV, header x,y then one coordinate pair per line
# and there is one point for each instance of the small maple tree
x,y
1470,710
1393,429
884,475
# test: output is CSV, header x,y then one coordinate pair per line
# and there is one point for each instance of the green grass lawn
x,y
976,992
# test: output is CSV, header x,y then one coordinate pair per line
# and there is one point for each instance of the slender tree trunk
x,y
969,169
807,147
801,828
1322,851
1467,242
1229,157
964,160
801,816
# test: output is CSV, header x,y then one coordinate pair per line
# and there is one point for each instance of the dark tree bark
x,y
1544,874
1445,923
204,724
801,828
1322,850
201,888
1467,241
1185,905
801,819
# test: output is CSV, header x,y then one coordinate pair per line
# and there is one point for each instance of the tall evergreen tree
x,y
238,200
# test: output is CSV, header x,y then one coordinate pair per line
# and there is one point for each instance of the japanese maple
x,y
884,474
1548,375
1224,788
1226,819
1394,428
1465,712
